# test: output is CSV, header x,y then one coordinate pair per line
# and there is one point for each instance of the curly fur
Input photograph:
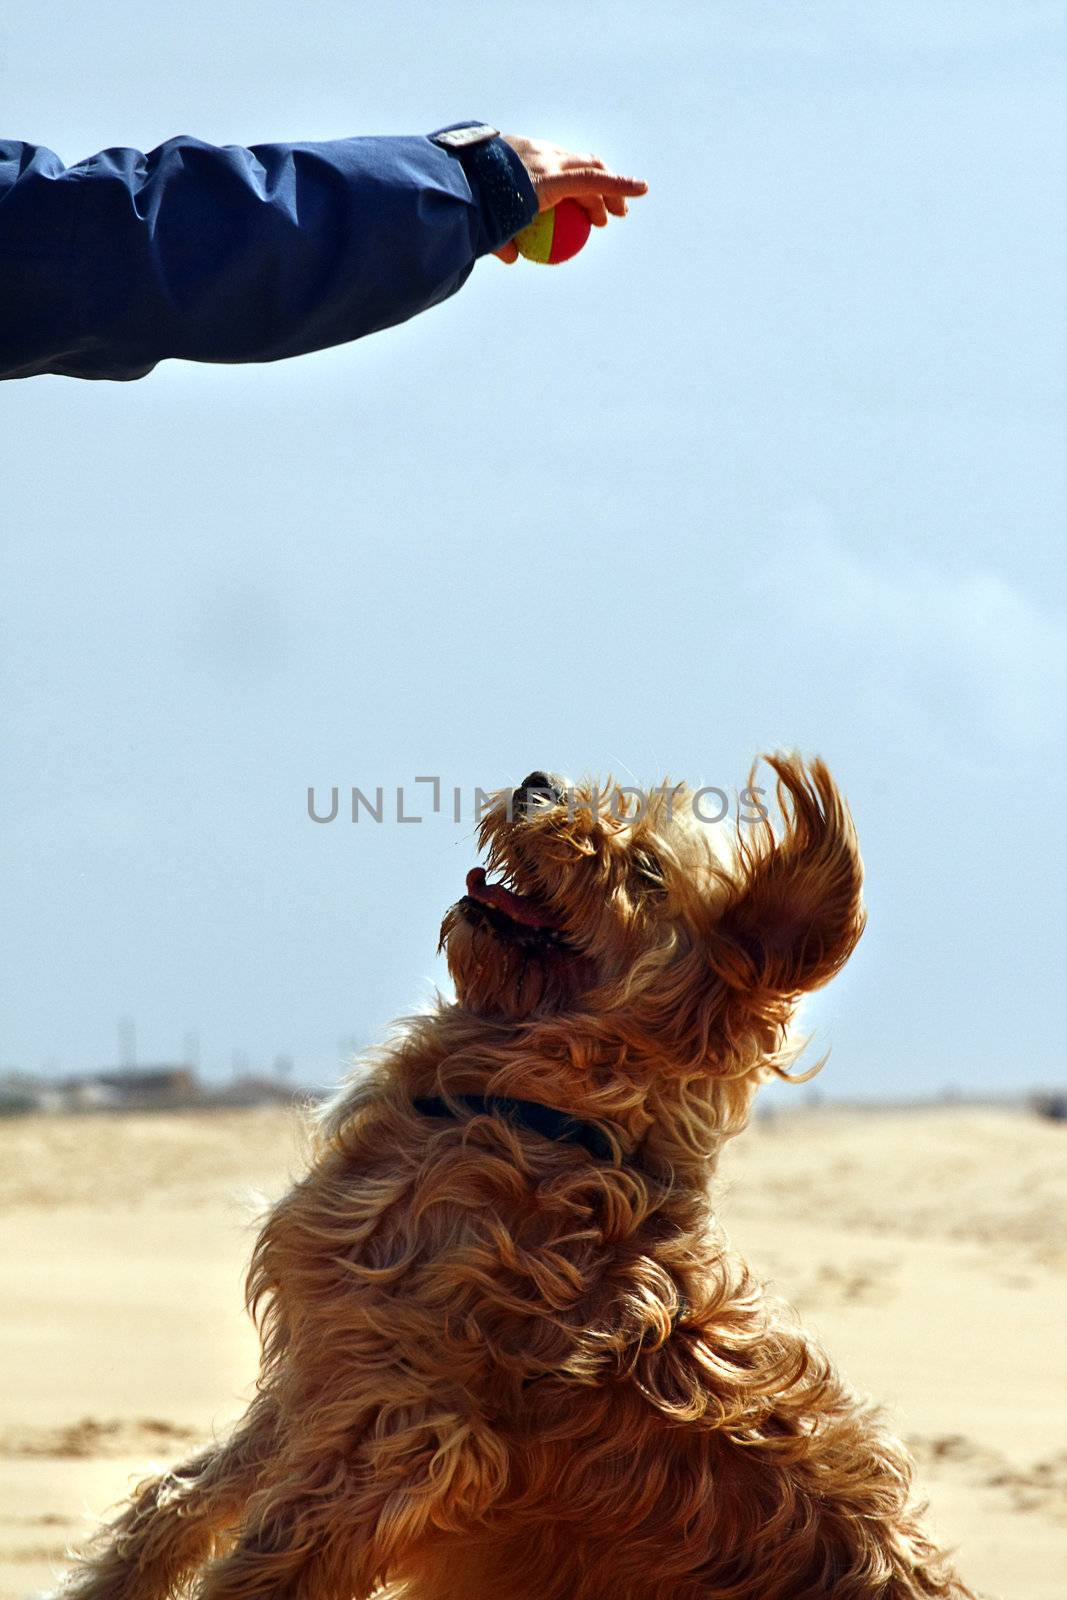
x,y
493,1365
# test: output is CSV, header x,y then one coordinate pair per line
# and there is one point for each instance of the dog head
x,y
640,917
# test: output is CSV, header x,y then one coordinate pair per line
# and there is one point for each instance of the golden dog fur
x,y
495,1364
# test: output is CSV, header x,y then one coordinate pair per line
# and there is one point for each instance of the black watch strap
x,y
497,175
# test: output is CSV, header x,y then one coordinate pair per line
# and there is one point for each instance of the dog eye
x,y
648,869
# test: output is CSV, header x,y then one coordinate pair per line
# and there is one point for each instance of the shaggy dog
x,y
505,1350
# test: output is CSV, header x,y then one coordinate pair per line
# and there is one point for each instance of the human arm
x,y
227,254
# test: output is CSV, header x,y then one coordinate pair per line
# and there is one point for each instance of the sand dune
x,y
926,1247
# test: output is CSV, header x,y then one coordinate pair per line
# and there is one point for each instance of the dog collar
x,y
545,1120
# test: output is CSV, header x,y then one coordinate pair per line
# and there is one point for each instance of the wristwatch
x,y
499,181
465,136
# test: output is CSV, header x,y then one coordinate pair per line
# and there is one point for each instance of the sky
x,y
776,462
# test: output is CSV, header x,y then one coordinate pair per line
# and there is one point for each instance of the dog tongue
x,y
515,906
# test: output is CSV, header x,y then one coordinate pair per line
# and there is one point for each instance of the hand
x,y
557,174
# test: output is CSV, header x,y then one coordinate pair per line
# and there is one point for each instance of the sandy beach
x,y
926,1247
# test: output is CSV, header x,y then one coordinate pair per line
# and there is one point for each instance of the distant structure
x,y
255,1091
20,1093
157,1088
1051,1104
165,1087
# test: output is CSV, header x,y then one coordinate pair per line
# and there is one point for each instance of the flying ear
x,y
795,912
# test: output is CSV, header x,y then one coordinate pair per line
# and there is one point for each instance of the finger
x,y
616,205
586,181
595,209
507,253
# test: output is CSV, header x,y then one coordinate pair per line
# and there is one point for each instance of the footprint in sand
x,y
1041,1486
92,1436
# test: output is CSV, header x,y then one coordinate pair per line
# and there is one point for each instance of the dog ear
x,y
794,912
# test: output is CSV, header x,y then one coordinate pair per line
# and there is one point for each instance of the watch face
x,y
462,138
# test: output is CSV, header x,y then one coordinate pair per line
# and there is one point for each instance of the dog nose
x,y
537,788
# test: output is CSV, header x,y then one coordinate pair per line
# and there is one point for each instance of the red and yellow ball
x,y
555,235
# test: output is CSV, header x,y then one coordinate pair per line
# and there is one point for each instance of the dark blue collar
x,y
545,1120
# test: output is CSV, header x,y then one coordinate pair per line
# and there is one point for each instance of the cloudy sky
x,y
776,462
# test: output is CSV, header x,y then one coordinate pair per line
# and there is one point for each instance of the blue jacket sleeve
x,y
226,254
